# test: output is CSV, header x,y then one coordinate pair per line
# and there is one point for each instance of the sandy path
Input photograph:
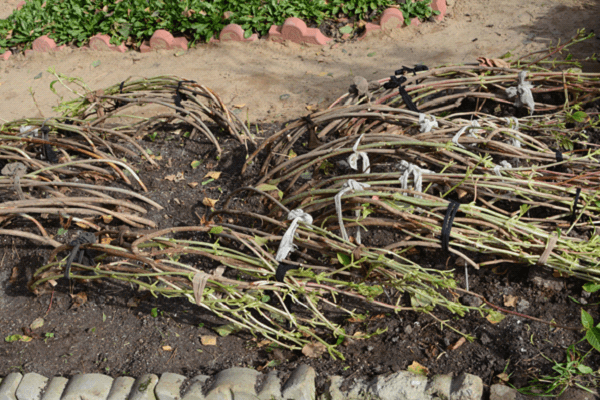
x,y
257,74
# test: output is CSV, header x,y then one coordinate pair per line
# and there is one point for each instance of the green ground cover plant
x,y
75,21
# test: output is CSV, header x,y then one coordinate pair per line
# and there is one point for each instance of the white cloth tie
x,y
474,124
350,185
417,172
522,93
503,165
353,158
426,124
513,124
287,241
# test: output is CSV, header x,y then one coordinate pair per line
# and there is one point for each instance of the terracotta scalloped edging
x,y
293,29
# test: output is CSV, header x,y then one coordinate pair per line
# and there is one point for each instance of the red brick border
x,y
295,30
44,44
235,33
101,42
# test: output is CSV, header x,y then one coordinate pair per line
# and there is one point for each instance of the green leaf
x,y
216,230
579,116
195,164
96,63
154,312
103,317
61,231
266,187
495,316
344,259
593,337
591,287
12,338
225,330
346,29
584,369
260,241
371,54
586,320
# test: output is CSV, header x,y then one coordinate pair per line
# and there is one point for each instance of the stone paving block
x,y
271,389
301,384
466,387
164,40
143,388
88,386
440,386
31,386
391,18
501,392
9,385
239,381
194,392
235,33
120,388
401,385
55,388
6,55
169,386
439,5
101,42
295,30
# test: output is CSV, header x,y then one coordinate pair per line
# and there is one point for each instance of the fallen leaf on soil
x,y
167,348
510,301
311,107
378,316
226,329
105,240
213,174
492,62
263,343
208,340
37,323
133,302
14,276
107,219
418,369
82,225
192,184
52,282
503,377
495,317
239,105
175,178
456,345
195,164
272,363
79,299
313,350
209,202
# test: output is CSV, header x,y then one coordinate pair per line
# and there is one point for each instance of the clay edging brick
x,y
6,55
295,30
235,33
100,42
44,44
164,40
439,5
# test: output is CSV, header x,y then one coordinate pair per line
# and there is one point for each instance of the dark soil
x,y
114,331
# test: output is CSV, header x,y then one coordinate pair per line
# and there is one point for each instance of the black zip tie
x,y
179,96
574,215
120,103
559,156
414,70
49,153
396,82
83,238
282,269
311,124
447,225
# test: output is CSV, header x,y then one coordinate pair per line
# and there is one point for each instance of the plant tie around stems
x,y
397,83
179,96
522,93
559,156
426,124
447,224
503,165
473,126
282,269
83,238
120,103
199,282
49,153
287,241
353,158
414,70
513,123
417,172
574,214
350,185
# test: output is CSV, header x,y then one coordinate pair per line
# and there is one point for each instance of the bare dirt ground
x,y
257,74
108,335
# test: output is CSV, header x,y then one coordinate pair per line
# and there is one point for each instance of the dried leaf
x,y
133,302
105,240
14,275
510,301
167,348
107,219
82,225
175,178
208,340
239,105
503,377
170,178
52,282
192,184
79,299
418,369
456,345
313,350
213,174
37,323
209,202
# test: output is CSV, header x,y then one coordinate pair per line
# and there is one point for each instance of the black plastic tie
x,y
121,87
49,152
574,214
282,269
414,70
83,238
179,96
311,124
396,82
559,156
447,225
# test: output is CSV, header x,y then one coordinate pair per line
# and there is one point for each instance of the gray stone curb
x,y
241,384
